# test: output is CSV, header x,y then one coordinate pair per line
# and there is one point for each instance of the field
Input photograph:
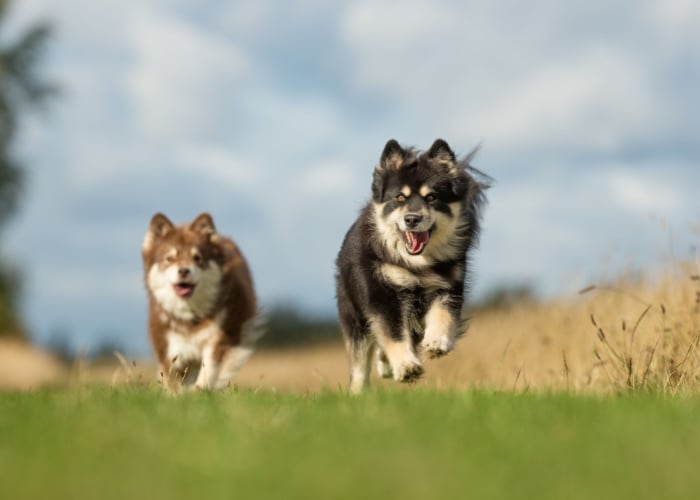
x,y
628,335
590,396
135,443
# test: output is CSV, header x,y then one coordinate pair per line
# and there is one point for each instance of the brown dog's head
x,y
182,264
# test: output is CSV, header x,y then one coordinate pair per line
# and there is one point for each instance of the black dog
x,y
402,266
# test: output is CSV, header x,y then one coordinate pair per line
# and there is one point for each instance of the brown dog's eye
x,y
400,198
197,258
169,259
430,198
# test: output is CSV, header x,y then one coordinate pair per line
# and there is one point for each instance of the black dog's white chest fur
x,y
401,268
421,281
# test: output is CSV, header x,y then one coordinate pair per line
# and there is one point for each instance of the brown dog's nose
x,y
183,272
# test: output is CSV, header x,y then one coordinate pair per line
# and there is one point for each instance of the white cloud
x,y
678,20
248,18
83,21
511,78
393,28
395,48
599,101
218,163
180,76
289,124
329,179
642,194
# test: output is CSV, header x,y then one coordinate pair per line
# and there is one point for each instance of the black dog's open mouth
x,y
184,290
416,241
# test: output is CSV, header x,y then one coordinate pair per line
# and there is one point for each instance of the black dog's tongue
x,y
417,240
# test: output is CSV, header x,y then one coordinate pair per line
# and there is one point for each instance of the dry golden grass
x,y
630,335
24,367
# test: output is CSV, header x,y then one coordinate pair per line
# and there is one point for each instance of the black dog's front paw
x,y
409,371
437,347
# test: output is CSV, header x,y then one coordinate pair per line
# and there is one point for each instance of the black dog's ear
x,y
441,151
378,184
393,156
460,186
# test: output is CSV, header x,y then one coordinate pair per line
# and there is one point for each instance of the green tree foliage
x,y
9,291
502,297
21,87
287,327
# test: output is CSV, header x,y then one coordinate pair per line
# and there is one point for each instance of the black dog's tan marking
x,y
402,266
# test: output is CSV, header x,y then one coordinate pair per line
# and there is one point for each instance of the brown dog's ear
x,y
204,224
393,156
160,226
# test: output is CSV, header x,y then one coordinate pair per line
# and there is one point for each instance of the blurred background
x,y
272,114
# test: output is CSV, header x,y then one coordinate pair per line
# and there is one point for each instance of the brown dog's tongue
x,y
184,289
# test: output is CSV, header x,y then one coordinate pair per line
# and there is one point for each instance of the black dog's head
x,y
425,202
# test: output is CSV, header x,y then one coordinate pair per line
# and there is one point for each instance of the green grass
x,y
134,443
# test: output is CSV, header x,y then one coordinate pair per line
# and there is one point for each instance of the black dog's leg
x,y
396,343
442,324
383,366
360,349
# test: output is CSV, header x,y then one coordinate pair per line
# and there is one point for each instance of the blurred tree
x,y
503,297
288,327
21,87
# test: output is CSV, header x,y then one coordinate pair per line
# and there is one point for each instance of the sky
x,y
271,115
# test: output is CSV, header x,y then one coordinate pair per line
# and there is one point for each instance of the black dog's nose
x,y
412,220
183,272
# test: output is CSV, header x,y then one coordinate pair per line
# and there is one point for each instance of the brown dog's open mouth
x,y
416,241
184,290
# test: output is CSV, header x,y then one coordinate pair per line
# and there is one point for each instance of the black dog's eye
x,y
430,197
401,198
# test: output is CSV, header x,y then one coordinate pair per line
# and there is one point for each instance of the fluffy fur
x,y
201,303
402,266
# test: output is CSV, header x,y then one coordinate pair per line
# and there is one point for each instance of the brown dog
x,y
201,303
